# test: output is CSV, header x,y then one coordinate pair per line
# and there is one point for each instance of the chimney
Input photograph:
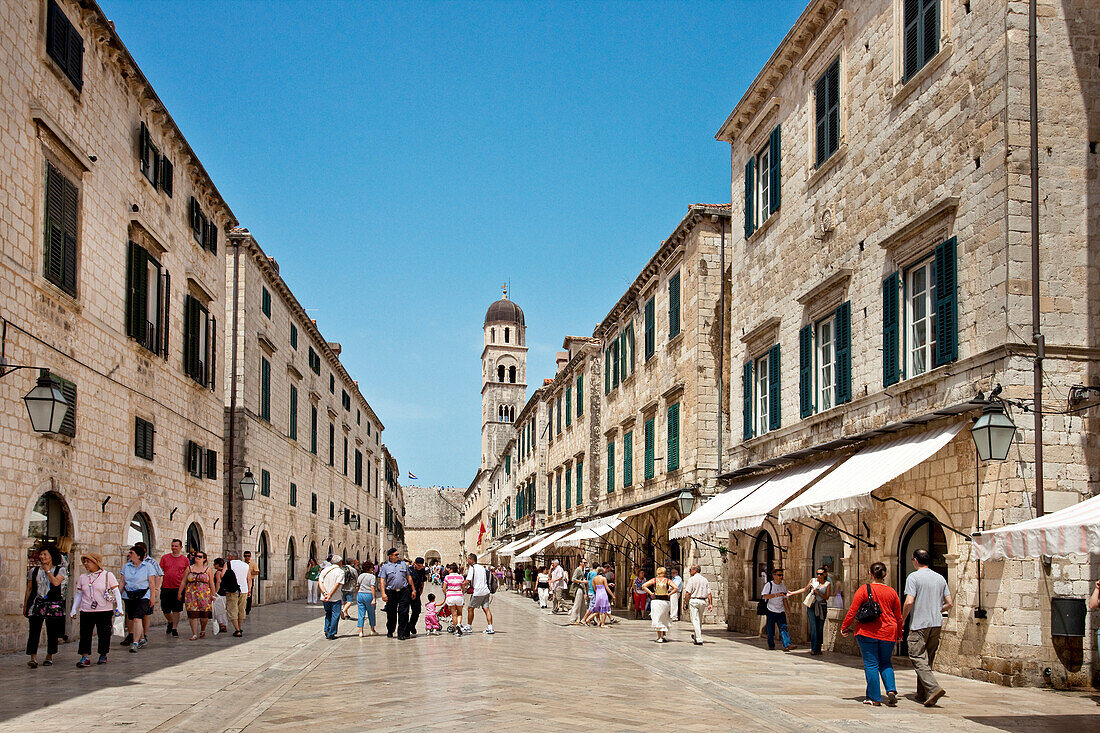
x,y
274,264
336,348
562,360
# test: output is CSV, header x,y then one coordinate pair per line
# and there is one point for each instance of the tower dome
x,y
505,311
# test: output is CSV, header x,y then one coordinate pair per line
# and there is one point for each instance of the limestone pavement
x,y
535,671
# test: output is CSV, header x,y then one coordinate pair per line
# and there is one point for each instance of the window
x,y
64,44
211,463
610,466
203,229
313,503
265,483
265,302
265,389
580,481
332,444
928,312
143,439
147,286
332,510
345,398
558,409
580,395
568,405
568,495
345,455
628,459
511,375
199,342
762,185
568,485
607,371
313,429
650,436
201,461
826,367
62,200
292,430
920,321
650,328
674,306
332,384
500,373
827,113
674,437
155,166
358,467
921,34
314,361
762,394
508,465
293,337
68,391
293,494
507,335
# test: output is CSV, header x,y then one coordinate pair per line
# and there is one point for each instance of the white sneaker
x,y
467,629
488,630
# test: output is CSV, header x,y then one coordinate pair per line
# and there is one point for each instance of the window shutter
x,y
911,16
188,334
890,365
568,405
821,116
139,437
607,371
930,31
211,464
568,490
623,368
806,371
213,241
843,353
746,406
650,446
580,482
57,35
628,459
674,306
650,328
196,223
774,420
265,389
55,232
166,176
610,466
132,320
947,306
674,437
615,362
212,353
293,429
774,172
750,181
833,111
166,316
143,151
580,395
74,68
630,345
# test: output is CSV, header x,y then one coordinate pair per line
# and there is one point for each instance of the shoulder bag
x,y
869,611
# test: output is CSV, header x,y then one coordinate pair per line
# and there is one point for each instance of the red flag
x,y
480,533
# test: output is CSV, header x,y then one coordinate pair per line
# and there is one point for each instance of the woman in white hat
x,y
98,601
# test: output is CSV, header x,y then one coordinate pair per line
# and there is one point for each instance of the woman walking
x,y
313,571
876,612
601,602
197,594
136,593
44,604
660,590
364,599
98,601
816,601
542,583
641,596
452,596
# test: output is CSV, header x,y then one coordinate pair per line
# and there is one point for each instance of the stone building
x,y
391,532
112,234
880,167
302,429
433,522
504,375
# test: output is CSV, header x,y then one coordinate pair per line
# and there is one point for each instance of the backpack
x,y
491,580
229,582
870,610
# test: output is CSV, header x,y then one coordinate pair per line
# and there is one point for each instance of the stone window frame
x,y
819,305
68,161
757,137
831,45
902,87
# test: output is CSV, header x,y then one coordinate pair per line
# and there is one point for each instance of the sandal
x,y
872,702
32,664
47,663
194,637
202,634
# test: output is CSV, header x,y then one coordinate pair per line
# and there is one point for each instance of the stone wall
x,y
433,522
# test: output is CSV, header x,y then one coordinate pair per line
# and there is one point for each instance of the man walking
x,y
419,576
477,579
776,595
395,582
253,573
331,583
236,602
174,565
926,597
699,599
579,581
558,582
678,587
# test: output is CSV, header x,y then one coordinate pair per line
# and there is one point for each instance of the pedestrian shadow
x,y
1036,723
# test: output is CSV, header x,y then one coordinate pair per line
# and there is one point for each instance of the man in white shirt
x,y
236,602
678,586
477,580
558,581
331,583
775,593
698,595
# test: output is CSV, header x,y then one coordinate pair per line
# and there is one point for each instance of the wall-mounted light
x,y
248,486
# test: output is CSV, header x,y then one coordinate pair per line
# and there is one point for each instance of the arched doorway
x,y
921,531
313,551
50,519
763,562
140,529
290,562
262,556
828,551
194,538
432,556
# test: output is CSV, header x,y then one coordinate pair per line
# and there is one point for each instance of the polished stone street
x,y
535,672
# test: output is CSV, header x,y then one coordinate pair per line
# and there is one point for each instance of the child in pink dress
x,y
431,618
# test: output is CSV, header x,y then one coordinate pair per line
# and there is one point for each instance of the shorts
x,y
350,596
453,601
235,606
137,607
170,600
480,601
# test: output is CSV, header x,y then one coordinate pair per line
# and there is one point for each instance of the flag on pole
x,y
480,533
412,476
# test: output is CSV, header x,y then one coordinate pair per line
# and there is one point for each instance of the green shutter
x,y
580,482
508,465
313,429
623,368
773,388
674,437
650,328
293,412
265,389
615,362
568,405
630,346
136,292
750,220
947,305
568,487
891,371
580,395
773,160
674,306
293,494
610,466
806,371
844,353
628,459
746,405
607,371
650,444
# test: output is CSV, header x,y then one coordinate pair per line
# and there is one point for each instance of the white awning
x,y
696,522
849,487
749,513
646,508
602,527
518,545
542,544
509,545
1073,530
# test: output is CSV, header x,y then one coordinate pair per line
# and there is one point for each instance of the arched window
x,y
290,559
194,538
763,562
512,375
262,556
829,552
500,373
492,335
49,518
313,551
140,530
921,532
507,335
511,413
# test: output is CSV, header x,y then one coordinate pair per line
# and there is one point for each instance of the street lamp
x,y
993,432
46,405
686,501
355,522
248,486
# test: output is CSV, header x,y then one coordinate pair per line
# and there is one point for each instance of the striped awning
x,y
1073,530
750,512
542,544
594,532
698,521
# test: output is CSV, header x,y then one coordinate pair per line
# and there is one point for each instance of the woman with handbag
x,y
197,593
816,602
44,604
876,612
98,601
660,590
136,593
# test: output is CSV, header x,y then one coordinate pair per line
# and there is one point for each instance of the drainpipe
x,y
230,475
721,339
1037,336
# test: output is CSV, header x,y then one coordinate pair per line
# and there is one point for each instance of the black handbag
x,y
870,610
762,604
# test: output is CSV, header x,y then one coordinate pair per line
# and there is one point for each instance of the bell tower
x,y
503,376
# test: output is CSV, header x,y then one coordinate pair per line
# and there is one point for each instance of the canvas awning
x,y
595,532
518,545
646,508
1073,530
750,512
849,486
542,544
697,522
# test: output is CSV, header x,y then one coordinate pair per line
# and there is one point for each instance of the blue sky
x,y
403,160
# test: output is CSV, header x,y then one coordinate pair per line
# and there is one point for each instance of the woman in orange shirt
x,y
877,636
